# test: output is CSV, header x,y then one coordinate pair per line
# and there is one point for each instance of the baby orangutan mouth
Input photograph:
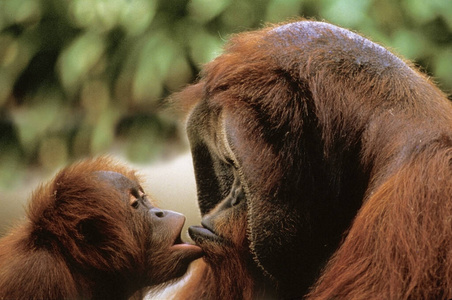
x,y
179,244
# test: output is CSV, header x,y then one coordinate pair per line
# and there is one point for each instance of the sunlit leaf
x,y
6,84
99,15
443,8
205,10
153,66
421,10
104,132
204,47
147,86
179,73
21,11
240,15
76,61
9,50
15,54
53,152
144,140
280,10
347,13
10,167
81,145
137,15
123,56
408,43
443,67
95,97
33,121
83,13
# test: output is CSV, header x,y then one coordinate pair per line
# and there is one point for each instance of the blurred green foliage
x,y
82,77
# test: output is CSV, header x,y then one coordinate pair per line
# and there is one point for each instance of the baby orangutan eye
x,y
135,195
133,199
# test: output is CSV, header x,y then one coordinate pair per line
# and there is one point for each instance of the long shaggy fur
x,y
399,246
337,141
83,238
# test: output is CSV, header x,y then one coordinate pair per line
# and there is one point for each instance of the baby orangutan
x,y
92,233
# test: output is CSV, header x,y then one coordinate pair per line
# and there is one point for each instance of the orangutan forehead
x,y
116,179
300,33
314,30
306,31
206,126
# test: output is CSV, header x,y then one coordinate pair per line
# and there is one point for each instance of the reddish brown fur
x,y
321,126
227,263
29,269
400,244
82,239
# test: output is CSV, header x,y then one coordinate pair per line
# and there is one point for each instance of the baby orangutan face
x,y
93,233
168,256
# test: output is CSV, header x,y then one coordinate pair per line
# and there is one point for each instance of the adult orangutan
x,y
92,233
308,138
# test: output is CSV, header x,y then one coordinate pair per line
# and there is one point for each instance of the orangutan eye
x,y
137,195
134,204
134,198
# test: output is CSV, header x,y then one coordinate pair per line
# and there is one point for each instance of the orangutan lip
x,y
180,245
199,233
207,225
177,239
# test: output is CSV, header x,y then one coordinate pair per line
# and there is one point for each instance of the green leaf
x,y
79,58
205,10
